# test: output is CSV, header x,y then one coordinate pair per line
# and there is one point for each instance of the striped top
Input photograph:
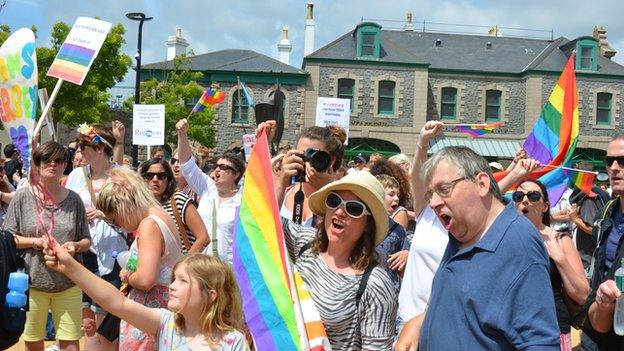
x,y
182,201
371,325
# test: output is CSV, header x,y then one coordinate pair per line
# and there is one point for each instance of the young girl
x,y
203,309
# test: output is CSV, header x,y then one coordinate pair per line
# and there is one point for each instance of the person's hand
x,y
124,274
398,260
182,126
606,294
573,212
269,127
71,247
119,130
93,214
430,129
56,257
523,168
554,246
292,163
520,155
88,326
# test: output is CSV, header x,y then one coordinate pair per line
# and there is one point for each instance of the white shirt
x,y
206,190
563,204
426,252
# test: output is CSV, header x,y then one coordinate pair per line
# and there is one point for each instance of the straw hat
x,y
367,188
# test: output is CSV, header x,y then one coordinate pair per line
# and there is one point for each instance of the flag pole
x,y
468,124
47,107
571,169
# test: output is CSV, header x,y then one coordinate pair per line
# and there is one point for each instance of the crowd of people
x,y
429,253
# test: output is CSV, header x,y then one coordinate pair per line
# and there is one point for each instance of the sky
x,y
210,25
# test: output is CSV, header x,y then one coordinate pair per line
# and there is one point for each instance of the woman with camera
x,y
317,154
219,197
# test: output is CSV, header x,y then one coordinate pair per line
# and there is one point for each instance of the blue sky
x,y
210,25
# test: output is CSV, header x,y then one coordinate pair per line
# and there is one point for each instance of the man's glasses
x,y
610,159
533,196
224,167
444,189
159,175
353,208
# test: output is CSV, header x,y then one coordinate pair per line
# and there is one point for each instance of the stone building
x,y
398,79
261,75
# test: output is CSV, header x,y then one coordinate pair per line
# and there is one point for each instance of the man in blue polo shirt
x,y
492,290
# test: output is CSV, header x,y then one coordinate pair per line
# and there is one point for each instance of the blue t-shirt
x,y
395,241
495,294
614,238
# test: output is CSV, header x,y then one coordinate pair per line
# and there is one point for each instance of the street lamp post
x,y
137,16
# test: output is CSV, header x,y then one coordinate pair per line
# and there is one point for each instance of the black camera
x,y
318,159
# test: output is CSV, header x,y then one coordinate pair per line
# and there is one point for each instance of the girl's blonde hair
x,y
126,195
387,181
222,315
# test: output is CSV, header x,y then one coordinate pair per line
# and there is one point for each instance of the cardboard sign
x,y
333,112
148,125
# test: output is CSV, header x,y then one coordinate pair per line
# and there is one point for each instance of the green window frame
x,y
385,102
346,90
587,55
603,108
368,40
448,103
243,118
493,105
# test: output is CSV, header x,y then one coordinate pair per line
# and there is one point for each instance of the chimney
x,y
606,49
309,30
495,32
409,26
284,48
176,45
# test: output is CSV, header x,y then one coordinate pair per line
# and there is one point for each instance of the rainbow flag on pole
x,y
79,50
477,130
554,136
260,259
210,97
584,181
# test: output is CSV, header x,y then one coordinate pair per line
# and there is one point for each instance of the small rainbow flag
x,y
477,130
210,97
584,181
260,259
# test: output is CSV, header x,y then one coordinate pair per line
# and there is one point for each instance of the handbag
x,y
109,328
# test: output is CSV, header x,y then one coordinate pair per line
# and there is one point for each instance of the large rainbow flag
x,y
260,259
554,136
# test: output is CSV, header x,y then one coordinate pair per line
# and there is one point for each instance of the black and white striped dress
x,y
182,201
370,326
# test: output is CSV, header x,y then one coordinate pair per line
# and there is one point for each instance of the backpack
x,y
12,320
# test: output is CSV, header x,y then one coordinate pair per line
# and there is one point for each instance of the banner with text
x,y
148,125
333,112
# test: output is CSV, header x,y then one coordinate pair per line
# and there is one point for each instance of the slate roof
x,y
464,52
231,60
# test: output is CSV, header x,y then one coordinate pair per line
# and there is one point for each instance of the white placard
x,y
148,125
333,112
248,140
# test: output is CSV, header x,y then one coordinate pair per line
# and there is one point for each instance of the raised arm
x,y
199,182
103,293
428,131
119,132
520,171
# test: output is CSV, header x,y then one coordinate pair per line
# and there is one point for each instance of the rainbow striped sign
x,y
79,50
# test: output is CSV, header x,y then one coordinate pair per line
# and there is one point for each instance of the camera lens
x,y
319,159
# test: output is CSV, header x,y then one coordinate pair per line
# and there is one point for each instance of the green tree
x,y
88,102
179,91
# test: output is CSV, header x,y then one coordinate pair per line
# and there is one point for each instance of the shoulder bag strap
x,y
89,185
363,282
178,219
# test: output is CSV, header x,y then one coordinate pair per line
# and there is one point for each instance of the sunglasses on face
x,y
533,196
159,175
353,208
224,167
56,161
610,159
173,161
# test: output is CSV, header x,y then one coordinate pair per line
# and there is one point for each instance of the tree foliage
x,y
88,102
179,91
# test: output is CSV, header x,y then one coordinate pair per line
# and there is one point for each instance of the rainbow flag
x,y
260,259
584,181
315,330
477,130
210,97
554,136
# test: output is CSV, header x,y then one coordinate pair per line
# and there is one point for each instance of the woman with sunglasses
x,y
181,184
98,145
567,275
355,297
45,206
219,197
159,178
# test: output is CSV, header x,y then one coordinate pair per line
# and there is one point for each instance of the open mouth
x,y
337,226
446,220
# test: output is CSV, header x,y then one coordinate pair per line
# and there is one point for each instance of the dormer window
x,y
368,38
587,55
